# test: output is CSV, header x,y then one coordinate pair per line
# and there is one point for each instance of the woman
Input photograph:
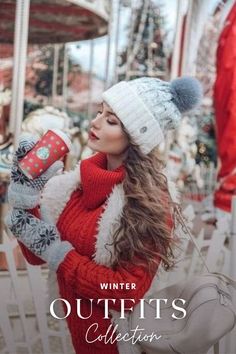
x,y
112,213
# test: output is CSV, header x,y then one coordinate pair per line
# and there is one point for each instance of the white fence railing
x,y
25,323
208,176
219,251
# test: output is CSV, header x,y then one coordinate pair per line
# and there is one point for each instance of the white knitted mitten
x,y
39,237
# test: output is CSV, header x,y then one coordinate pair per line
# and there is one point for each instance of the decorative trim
x,y
57,193
107,224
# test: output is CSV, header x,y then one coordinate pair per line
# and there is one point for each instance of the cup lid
x,y
64,137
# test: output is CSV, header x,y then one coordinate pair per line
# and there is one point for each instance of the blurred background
x,y
56,59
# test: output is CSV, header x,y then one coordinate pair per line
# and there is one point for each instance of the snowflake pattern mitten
x,y
39,237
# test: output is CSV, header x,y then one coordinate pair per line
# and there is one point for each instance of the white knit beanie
x,y
148,107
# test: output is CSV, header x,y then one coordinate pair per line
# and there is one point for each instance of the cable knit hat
x,y
149,107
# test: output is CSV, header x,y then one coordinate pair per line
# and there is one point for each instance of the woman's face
x,y
106,133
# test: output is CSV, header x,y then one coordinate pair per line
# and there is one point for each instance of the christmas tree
x,y
145,54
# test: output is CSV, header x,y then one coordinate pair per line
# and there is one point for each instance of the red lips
x,y
92,135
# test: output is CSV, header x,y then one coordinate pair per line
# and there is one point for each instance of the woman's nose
x,y
95,122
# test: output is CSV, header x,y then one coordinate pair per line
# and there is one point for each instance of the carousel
x,y
26,25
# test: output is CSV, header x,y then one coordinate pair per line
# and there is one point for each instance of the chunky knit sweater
x,y
78,275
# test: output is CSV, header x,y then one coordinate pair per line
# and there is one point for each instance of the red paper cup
x,y
51,147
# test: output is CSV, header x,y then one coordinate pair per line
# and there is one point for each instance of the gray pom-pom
x,y
187,93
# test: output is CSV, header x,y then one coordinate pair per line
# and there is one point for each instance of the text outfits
x,y
86,214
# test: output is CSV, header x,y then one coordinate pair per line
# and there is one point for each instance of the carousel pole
x,y
90,86
129,47
18,86
106,84
117,40
55,72
65,77
19,67
177,41
186,36
174,72
150,60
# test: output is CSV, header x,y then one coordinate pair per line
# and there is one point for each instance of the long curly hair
x,y
145,234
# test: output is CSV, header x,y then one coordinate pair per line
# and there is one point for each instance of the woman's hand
x,y
39,237
24,192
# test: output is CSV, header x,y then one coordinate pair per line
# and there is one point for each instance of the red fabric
x,y
183,38
225,106
78,275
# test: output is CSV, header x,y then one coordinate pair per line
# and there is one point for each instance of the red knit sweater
x,y
78,275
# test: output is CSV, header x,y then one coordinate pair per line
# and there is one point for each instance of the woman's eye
x,y
111,122
99,112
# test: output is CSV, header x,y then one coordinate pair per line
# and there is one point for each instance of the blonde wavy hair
x,y
145,235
